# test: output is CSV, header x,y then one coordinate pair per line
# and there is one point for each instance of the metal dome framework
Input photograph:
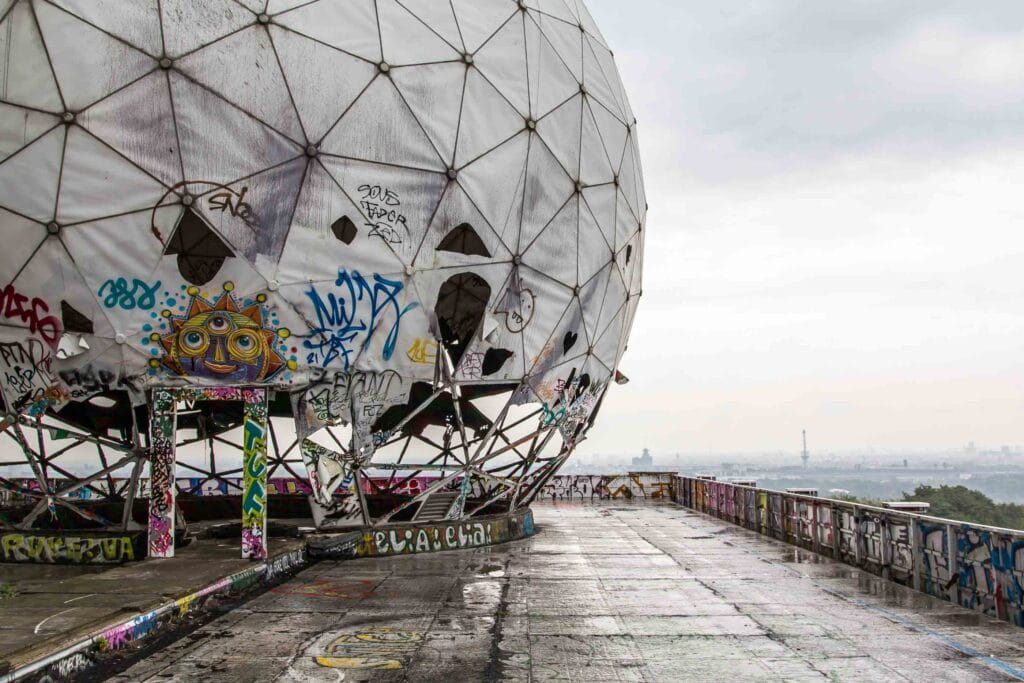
x,y
414,229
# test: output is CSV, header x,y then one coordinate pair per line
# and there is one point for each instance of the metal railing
x,y
978,567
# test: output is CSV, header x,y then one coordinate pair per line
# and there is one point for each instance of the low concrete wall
x,y
72,547
974,566
423,537
582,487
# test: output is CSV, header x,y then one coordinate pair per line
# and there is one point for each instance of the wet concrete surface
x,y
44,607
603,593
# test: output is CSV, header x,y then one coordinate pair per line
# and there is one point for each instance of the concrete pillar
x,y
254,493
163,413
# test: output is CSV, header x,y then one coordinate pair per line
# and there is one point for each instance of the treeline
x,y
967,505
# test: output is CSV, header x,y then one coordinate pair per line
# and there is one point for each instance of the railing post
x,y
837,538
815,527
857,553
916,552
954,564
885,551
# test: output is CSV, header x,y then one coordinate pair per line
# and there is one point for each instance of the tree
x,y
967,505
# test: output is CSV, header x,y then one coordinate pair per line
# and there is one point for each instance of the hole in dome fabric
x,y
344,229
200,251
463,239
74,320
494,359
461,304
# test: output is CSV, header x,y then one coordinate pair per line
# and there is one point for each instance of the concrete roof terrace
x,y
604,592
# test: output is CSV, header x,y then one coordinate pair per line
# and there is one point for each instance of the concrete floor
x,y
603,593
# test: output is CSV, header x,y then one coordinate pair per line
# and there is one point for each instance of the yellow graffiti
x,y
379,648
22,548
423,351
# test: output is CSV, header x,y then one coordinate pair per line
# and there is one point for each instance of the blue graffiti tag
x,y
118,292
343,317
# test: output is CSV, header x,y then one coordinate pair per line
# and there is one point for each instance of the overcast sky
x,y
834,238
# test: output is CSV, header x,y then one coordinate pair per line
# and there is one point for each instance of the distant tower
x,y
804,455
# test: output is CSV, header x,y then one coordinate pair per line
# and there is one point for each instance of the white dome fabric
x,y
338,199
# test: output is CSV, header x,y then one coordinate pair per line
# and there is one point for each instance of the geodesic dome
x,y
417,223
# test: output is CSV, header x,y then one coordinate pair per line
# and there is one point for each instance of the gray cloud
x,y
763,85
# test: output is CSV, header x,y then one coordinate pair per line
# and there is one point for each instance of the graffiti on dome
x,y
223,338
231,202
26,376
381,206
423,351
119,293
34,312
517,303
350,314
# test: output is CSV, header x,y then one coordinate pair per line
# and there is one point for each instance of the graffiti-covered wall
x,y
583,487
976,567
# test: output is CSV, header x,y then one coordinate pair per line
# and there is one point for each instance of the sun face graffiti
x,y
222,340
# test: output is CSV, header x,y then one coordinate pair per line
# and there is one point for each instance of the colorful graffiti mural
x,y
222,339
254,497
979,568
162,465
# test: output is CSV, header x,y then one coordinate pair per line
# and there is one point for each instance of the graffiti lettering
x,y
343,317
432,538
423,351
67,549
254,498
117,293
471,366
232,202
379,204
27,377
89,380
15,305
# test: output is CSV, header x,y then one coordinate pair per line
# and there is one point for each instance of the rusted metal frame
x,y
27,522
72,477
281,460
491,500
132,491
111,487
344,450
529,461
35,423
417,468
551,468
453,384
41,446
401,457
543,473
442,451
85,481
433,488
